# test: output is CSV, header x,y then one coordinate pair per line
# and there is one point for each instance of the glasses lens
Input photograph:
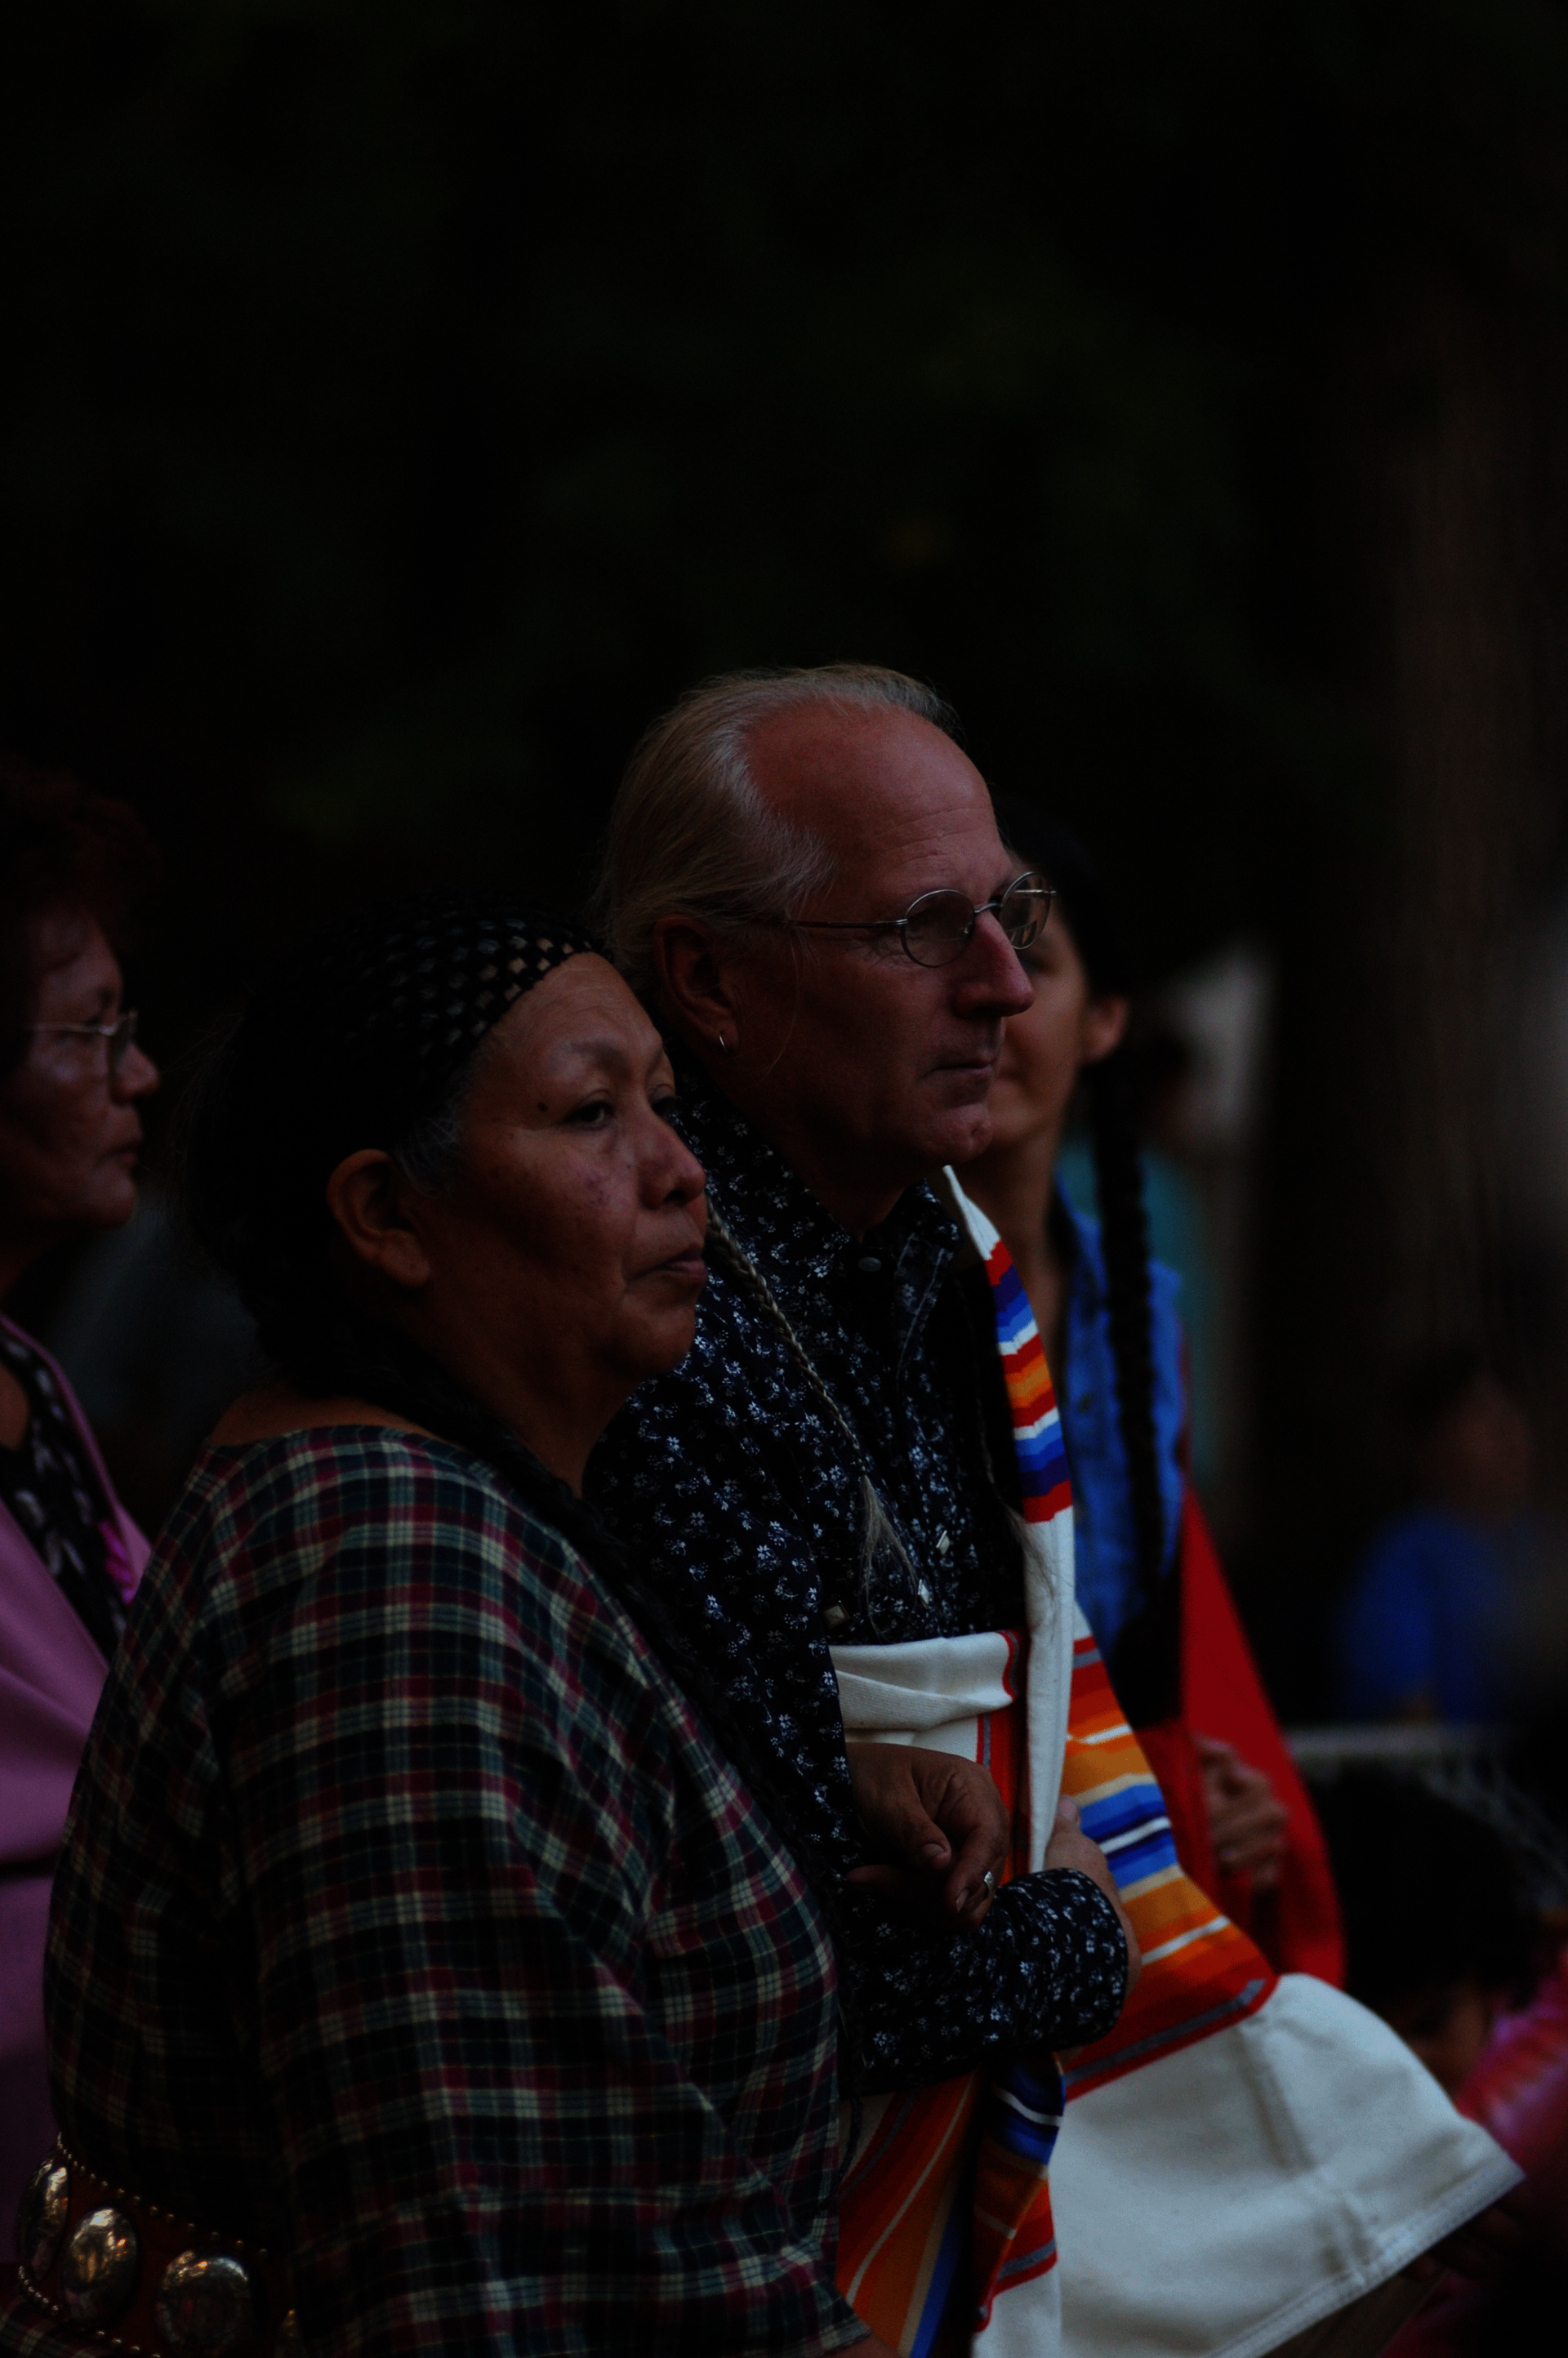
x,y
938,926
120,1040
1025,905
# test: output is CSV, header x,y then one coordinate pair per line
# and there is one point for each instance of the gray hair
x,y
689,833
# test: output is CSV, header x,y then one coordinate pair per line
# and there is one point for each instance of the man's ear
x,y
693,984
366,1196
1105,1026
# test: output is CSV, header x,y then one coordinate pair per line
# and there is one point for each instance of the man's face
x,y
880,1065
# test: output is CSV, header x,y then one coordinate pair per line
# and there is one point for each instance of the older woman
x,y
423,1975
71,1075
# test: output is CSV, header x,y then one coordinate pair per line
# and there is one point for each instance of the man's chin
x,y
965,1133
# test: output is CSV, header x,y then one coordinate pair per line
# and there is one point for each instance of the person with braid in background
x,y
1147,1577
852,1502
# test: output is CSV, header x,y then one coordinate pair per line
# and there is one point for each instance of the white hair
x,y
690,834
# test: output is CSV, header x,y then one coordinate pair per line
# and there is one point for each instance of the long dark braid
x,y
1124,1241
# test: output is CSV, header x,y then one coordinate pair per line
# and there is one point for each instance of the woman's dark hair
x,y
60,847
371,1038
1086,905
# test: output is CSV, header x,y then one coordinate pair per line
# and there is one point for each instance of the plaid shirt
x,y
406,1916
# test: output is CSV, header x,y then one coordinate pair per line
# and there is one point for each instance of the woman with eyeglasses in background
x,y
71,1076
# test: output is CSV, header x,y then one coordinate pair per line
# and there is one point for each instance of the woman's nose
x,y
688,1179
137,1075
676,1174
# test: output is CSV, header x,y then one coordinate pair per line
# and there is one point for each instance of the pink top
x,y
51,1673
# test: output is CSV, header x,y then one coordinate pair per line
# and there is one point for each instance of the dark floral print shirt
x,y
737,1490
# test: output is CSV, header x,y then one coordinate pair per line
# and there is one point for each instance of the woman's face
x,y
572,1233
1047,1046
70,1133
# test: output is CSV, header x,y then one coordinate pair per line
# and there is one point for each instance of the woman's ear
x,y
367,1197
1105,1026
692,981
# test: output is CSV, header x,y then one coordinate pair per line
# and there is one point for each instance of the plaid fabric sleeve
x,y
522,1969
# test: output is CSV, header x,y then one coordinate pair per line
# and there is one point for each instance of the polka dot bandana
x,y
433,974
357,1038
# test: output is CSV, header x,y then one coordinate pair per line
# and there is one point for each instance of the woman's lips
x,y
690,1265
687,1265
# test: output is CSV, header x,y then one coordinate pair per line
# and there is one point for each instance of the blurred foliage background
x,y
403,399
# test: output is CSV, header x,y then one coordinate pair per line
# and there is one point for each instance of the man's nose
x,y
993,978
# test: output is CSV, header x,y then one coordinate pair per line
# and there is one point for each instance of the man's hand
x,y
1070,1846
1247,1819
937,1826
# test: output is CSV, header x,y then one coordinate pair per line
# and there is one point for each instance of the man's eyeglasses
x,y
119,1035
937,927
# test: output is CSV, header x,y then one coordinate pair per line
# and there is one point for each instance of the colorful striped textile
x,y
1199,1971
1036,1421
954,2176
1244,2155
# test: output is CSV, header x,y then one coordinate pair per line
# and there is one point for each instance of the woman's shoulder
x,y
381,1510
408,1485
395,1530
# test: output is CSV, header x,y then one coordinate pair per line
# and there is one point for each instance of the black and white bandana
x,y
445,968
364,1033
353,1041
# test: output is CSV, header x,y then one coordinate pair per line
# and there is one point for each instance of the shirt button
x,y
869,1264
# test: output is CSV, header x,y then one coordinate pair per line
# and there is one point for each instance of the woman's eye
x,y
665,1106
591,1116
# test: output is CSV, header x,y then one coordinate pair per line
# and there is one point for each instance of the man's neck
x,y
858,1209
858,1198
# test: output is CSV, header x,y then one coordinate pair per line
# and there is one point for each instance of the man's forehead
x,y
887,792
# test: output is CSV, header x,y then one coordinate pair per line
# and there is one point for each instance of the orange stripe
x,y
897,2200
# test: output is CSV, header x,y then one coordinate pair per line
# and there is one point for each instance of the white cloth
x,y
1216,2201
1226,2197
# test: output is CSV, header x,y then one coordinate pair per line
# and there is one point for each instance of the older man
x,y
806,879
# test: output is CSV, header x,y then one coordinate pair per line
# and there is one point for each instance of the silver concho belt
x,y
128,2275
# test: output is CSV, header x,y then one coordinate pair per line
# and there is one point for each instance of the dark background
x,y
401,401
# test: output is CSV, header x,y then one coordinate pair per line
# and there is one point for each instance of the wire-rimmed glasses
x,y
118,1035
937,927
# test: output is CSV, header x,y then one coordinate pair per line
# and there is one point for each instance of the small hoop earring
x,y
724,1044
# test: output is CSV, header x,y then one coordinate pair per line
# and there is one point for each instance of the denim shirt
x,y
1104,1538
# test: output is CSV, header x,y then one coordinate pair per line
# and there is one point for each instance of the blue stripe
x,y
1035,2259
1104,1821
1031,2140
954,2243
1138,1859
1046,1449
